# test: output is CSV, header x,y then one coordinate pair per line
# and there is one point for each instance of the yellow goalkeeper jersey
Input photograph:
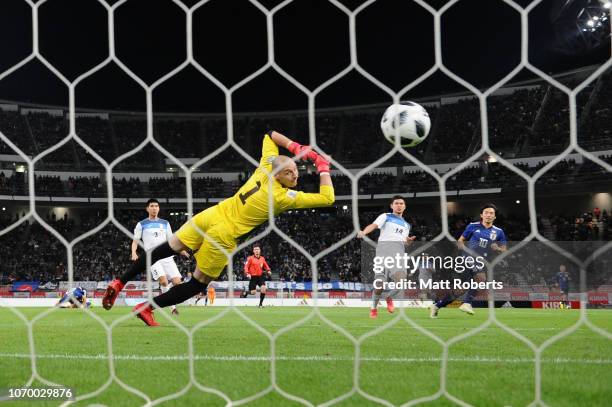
x,y
248,208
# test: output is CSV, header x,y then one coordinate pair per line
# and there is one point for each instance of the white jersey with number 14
x,y
393,228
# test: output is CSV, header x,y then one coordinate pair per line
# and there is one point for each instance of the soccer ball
x,y
410,120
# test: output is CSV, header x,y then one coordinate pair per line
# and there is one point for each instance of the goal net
x,y
444,183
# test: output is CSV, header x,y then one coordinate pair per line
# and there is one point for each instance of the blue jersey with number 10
x,y
480,238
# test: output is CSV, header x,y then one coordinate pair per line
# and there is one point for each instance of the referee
x,y
254,270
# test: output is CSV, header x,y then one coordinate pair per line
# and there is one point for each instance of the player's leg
x,y
397,277
163,282
470,294
188,236
252,289
158,273
175,295
262,291
171,247
444,298
376,294
62,300
564,299
210,261
172,272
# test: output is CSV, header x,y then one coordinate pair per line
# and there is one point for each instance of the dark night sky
x,y
395,43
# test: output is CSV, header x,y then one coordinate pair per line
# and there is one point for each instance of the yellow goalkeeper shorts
x,y
209,258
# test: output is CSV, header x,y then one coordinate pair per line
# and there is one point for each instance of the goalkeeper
x,y
232,218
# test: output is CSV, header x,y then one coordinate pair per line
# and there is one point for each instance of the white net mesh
x,y
231,144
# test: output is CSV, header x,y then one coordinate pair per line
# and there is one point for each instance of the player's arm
x,y
280,140
305,200
134,250
326,196
247,267
465,236
63,299
501,246
367,230
377,224
137,237
269,150
409,240
461,242
183,253
266,267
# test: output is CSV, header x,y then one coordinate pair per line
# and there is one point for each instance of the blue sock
x,y
469,296
445,301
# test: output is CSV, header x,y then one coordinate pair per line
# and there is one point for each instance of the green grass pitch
x,y
314,361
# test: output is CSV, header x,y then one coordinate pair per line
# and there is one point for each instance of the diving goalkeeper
x,y
232,218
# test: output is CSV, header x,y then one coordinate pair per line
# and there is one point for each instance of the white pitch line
x,y
432,327
245,358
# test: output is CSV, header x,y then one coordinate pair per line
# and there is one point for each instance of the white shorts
x,y
165,267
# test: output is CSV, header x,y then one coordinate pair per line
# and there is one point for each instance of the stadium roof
x,y
394,42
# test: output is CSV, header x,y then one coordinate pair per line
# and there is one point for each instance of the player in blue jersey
x,y
563,280
481,239
73,298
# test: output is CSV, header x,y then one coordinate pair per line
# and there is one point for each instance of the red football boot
x,y
112,291
373,313
390,306
145,312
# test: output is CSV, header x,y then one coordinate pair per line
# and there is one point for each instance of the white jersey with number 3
x,y
393,228
153,232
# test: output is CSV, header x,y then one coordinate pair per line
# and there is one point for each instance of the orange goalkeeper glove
x,y
305,151
308,154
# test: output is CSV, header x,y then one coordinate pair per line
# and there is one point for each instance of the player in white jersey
x,y
154,231
394,235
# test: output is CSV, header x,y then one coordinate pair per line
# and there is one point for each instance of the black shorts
x,y
257,281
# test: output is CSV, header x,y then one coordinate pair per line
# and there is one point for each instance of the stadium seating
x,y
32,253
